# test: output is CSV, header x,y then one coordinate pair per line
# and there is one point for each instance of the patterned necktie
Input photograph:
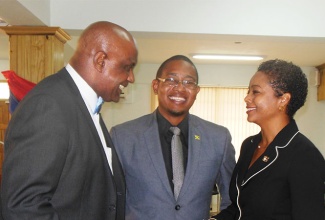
x,y
177,161
99,104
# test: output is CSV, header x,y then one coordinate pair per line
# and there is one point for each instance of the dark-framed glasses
x,y
189,84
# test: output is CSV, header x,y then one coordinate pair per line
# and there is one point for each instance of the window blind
x,y
224,106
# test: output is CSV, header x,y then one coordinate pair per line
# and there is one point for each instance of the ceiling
x,y
156,47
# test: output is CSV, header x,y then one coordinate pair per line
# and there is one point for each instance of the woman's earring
x,y
281,108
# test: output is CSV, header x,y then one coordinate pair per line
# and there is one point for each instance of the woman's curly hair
x,y
285,77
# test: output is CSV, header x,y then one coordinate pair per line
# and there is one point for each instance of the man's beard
x,y
176,113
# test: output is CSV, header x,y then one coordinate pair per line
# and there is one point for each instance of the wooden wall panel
x,y
36,52
34,57
321,87
4,120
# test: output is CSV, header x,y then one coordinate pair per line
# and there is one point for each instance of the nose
x,y
181,87
131,77
247,98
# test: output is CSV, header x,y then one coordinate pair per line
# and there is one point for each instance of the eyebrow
x,y
187,76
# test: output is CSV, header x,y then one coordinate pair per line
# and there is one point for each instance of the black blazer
x,y
55,166
285,183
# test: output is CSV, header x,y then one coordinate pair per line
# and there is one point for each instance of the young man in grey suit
x,y
144,146
60,162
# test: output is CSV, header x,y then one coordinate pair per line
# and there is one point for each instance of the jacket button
x,y
177,207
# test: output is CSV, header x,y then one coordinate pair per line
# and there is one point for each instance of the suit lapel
x,y
194,153
118,176
264,161
282,139
117,167
244,161
151,136
78,100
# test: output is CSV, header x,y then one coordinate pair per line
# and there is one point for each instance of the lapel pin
x,y
265,159
197,137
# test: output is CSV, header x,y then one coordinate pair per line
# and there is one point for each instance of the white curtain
x,y
225,106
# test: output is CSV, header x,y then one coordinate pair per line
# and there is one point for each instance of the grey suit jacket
x,y
55,166
211,159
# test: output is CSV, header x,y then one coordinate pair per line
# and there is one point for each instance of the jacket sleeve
x,y
232,211
35,153
306,179
226,170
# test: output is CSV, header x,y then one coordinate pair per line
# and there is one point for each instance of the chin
x,y
116,100
253,121
177,113
250,120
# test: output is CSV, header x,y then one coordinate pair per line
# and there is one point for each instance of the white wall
x,y
310,118
4,65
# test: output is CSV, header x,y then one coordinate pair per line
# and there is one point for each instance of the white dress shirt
x,y
90,98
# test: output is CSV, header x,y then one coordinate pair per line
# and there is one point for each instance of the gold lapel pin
x,y
197,137
265,159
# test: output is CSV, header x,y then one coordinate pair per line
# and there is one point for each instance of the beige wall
x,y
310,117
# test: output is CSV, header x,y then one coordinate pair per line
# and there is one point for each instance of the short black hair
x,y
286,77
176,57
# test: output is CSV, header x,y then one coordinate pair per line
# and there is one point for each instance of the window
x,y
224,106
4,90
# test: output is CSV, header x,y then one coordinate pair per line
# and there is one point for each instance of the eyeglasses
x,y
174,82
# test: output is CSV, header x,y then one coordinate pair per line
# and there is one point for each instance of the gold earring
x,y
281,108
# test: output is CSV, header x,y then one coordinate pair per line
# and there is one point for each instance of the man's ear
x,y
99,60
155,85
198,89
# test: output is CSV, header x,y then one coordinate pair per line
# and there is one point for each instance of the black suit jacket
x,y
55,166
285,183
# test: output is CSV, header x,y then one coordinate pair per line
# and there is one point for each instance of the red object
x,y
18,86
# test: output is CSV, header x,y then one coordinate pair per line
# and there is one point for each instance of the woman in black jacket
x,y
280,174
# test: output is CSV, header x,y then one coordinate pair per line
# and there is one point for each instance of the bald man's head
x,y
103,50
100,36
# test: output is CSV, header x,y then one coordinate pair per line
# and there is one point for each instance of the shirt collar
x,y
88,94
164,124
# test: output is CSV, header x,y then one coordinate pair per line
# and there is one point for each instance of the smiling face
x,y
175,101
263,106
116,72
105,57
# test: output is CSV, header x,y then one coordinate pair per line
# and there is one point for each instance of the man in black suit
x,y
60,162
